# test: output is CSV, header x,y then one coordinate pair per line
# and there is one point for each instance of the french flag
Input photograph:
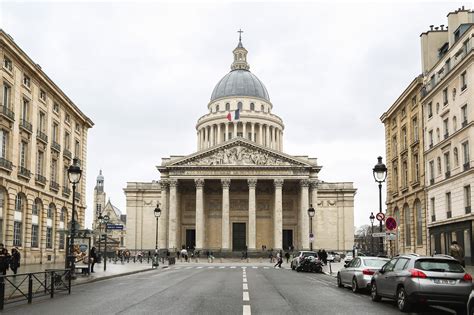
x,y
236,115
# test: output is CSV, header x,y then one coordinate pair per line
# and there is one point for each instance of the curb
x,y
113,276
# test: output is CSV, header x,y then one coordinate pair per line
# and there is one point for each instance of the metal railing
x,y
55,146
77,195
26,125
4,163
42,136
22,171
40,179
25,287
66,191
67,153
7,113
53,185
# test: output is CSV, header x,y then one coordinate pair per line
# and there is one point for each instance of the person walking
x,y
287,256
184,254
457,252
15,260
93,258
4,259
278,257
324,257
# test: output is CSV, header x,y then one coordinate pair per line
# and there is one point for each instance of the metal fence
x,y
25,287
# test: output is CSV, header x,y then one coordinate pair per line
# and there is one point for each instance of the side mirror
x,y
382,271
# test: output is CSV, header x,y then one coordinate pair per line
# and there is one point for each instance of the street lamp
x,y
104,220
372,218
380,174
157,213
74,173
311,213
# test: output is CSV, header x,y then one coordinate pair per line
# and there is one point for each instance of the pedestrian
x,y
320,254
93,255
457,252
270,255
4,259
15,260
279,260
211,256
324,257
287,256
184,254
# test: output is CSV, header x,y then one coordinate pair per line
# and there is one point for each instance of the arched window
x,y
240,56
407,221
455,123
419,223
263,108
456,157
252,106
227,106
217,108
239,105
50,213
17,224
49,225
62,219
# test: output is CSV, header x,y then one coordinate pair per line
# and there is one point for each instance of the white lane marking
x,y
255,267
221,267
188,267
177,268
233,267
246,296
210,267
266,267
244,268
245,286
245,280
246,310
198,267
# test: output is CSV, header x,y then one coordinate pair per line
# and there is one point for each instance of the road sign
x,y
114,227
311,236
380,216
388,236
382,234
391,223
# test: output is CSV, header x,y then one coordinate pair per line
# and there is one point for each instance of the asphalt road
x,y
204,289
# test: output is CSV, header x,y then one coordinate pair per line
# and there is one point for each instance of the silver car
x,y
299,258
358,272
423,280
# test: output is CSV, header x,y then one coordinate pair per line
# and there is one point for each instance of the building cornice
x,y
418,81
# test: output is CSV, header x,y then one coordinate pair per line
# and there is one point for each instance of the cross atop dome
x,y
240,55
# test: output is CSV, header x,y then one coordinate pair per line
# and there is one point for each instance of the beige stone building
x,y
240,190
405,166
448,101
41,130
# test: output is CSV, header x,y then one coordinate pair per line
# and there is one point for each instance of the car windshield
x,y
307,254
376,263
440,265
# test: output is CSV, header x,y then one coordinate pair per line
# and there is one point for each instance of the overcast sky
x,y
144,73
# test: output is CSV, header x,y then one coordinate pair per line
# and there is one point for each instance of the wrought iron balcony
x,y
40,179
53,185
433,218
7,113
41,136
66,191
56,146
446,135
464,123
5,164
24,172
77,195
431,181
468,209
449,214
448,174
467,166
25,125
67,153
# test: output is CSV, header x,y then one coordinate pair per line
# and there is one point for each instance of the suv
x,y
414,279
301,255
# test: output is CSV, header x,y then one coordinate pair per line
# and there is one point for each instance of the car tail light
x,y
415,273
467,277
368,272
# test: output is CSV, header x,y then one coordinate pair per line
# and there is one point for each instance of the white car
x,y
334,257
348,258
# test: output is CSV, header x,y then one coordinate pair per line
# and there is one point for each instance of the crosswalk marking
x,y
221,267
255,267
233,267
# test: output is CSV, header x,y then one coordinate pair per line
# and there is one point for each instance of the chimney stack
x,y
442,27
436,28
431,26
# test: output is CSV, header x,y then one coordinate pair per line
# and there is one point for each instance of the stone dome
x,y
240,82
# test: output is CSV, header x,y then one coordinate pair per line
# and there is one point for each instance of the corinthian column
x,y
252,214
173,228
199,213
163,222
225,213
226,135
218,133
304,205
278,214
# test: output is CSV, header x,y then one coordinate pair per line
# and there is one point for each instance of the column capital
x,y
199,182
314,183
173,182
304,182
252,182
225,182
278,182
164,183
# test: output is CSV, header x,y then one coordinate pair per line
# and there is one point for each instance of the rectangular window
x,y
467,196
447,162
413,100
26,81
25,109
404,138
65,178
395,145
56,107
61,240
78,127
23,153
67,118
67,140
430,110
415,129
416,167
42,122
77,149
34,235
405,174
55,132
395,178
17,233
463,81
446,128
465,152
445,96
239,134
464,115
39,163
448,205
49,237
430,135
7,64
3,143
433,212
54,170
432,171
6,95
42,95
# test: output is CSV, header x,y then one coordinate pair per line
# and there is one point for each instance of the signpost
x,y
114,227
390,224
389,236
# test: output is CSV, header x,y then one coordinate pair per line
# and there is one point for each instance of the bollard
x,y
133,259
330,269
2,292
52,283
30,288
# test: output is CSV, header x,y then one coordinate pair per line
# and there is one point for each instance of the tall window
x,y
405,174
456,157
416,167
26,81
217,108
65,178
77,151
6,95
34,235
55,132
448,204
439,165
404,138
54,170
395,178
430,135
61,240
42,122
395,145
262,108
465,152
23,153
445,96
67,141
463,81
24,109
446,127
3,143
419,223
432,171
239,106
430,109
467,198
50,212
433,209
407,219
227,106
49,237
464,115
415,129
447,163
252,106
455,124
19,203
7,64
42,95
17,233
39,163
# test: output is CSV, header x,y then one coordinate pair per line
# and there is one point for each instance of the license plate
x,y
444,281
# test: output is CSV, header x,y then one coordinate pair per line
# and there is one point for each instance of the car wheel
x,y
339,281
354,286
402,300
373,292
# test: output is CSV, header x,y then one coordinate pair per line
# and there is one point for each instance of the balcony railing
x,y
24,124
77,195
56,146
5,164
431,181
448,174
468,209
464,123
433,218
41,136
446,135
66,191
24,172
40,179
449,214
54,186
67,153
7,113
466,166
463,87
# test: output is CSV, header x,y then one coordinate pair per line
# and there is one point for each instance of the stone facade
x,y
41,130
240,190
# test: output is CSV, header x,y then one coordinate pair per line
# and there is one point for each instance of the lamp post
x,y
372,218
157,213
104,220
74,173
380,174
311,213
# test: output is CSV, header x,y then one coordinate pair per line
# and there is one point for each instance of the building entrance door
x,y
287,239
190,238
238,237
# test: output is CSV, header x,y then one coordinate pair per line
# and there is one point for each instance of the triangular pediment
x,y
239,152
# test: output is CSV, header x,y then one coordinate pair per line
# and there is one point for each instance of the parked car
x,y
358,274
333,257
414,279
470,304
299,258
348,258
